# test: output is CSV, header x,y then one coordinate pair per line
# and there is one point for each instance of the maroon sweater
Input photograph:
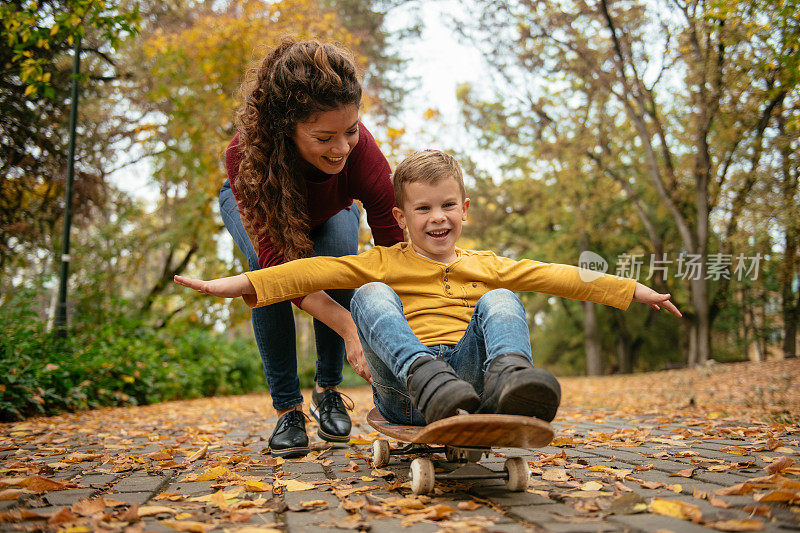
x,y
365,176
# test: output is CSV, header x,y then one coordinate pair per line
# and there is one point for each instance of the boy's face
x,y
433,214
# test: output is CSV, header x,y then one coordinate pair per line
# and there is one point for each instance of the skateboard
x,y
464,439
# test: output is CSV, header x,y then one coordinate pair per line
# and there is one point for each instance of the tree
x,y
687,79
36,61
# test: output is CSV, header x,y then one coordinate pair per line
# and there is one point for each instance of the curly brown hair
x,y
293,83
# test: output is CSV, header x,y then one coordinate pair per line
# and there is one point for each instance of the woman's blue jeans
x,y
273,325
498,326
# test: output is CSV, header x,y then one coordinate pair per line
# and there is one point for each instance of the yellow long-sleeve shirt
x,y
438,299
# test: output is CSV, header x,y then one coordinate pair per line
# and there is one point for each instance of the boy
x,y
439,328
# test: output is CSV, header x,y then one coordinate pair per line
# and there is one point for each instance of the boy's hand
x,y
231,287
646,295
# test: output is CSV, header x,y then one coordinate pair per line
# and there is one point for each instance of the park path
x,y
693,453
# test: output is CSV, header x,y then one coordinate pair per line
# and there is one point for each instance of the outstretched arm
x,y
646,295
230,287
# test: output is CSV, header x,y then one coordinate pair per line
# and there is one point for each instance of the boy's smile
x,y
433,214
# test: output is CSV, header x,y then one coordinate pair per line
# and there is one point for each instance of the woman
x,y
299,159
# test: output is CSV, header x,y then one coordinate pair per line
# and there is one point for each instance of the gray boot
x,y
513,386
437,391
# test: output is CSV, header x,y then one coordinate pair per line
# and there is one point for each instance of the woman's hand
x,y
230,287
646,295
355,356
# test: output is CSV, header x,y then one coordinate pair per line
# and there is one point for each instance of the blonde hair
x,y
426,166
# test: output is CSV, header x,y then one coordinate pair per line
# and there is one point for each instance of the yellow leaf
x,y
737,525
676,488
213,473
233,493
29,90
592,485
356,440
257,486
676,509
314,503
293,485
187,525
199,454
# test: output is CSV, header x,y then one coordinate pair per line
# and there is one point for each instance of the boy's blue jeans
x,y
273,325
498,326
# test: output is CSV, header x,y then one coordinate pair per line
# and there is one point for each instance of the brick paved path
x,y
601,475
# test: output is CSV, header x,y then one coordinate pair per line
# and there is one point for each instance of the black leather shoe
x,y
331,413
289,438
437,391
513,386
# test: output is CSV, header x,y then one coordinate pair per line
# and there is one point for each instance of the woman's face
x,y
327,138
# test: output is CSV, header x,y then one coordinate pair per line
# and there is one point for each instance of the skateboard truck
x,y
423,474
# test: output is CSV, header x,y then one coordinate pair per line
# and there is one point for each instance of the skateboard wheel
x,y
518,474
422,476
380,453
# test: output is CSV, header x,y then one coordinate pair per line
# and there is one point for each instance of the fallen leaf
x,y
779,495
171,496
352,506
12,494
780,465
187,525
35,483
555,474
89,507
293,485
209,474
737,525
63,515
352,467
629,503
380,472
676,509
218,499
152,510
682,473
314,503
738,489
254,529
470,505
592,486
18,515
199,454
257,486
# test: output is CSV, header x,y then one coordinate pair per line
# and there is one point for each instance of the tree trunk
x,y
691,356
594,362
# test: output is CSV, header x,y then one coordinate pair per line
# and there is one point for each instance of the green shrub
x,y
118,361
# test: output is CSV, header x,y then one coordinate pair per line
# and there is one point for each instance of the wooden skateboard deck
x,y
471,431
